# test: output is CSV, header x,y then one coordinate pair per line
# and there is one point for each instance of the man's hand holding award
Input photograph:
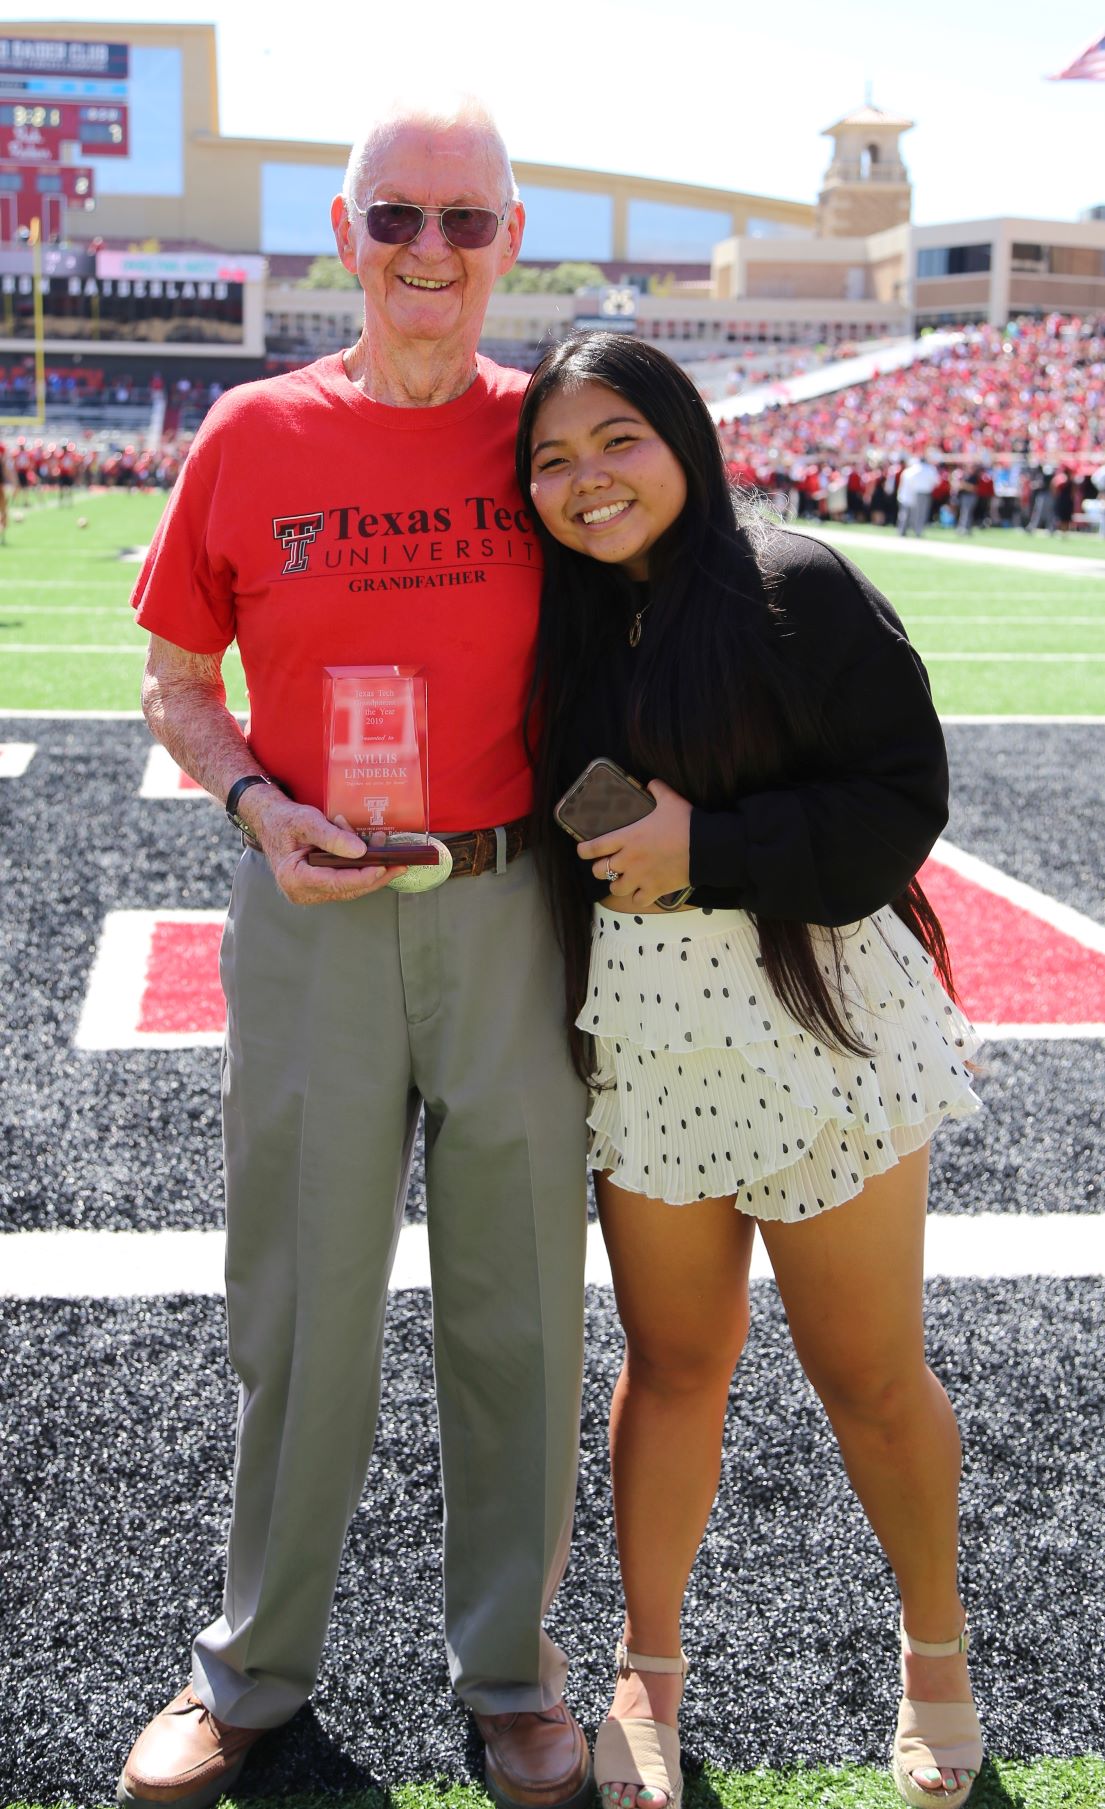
x,y
377,772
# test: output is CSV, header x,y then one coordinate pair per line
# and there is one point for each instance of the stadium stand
x,y
1034,389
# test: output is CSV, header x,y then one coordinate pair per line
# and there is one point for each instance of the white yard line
x,y
1044,621
1022,559
1046,721
965,595
125,1265
123,611
1040,1033
1035,659
16,715
65,647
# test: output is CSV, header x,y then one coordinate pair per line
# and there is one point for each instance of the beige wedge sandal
x,y
641,1752
935,1736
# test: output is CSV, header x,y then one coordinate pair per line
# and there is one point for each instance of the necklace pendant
x,y
635,629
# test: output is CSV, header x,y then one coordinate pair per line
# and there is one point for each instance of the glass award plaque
x,y
376,768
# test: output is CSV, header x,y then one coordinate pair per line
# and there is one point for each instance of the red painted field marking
x,y
1025,965
1009,966
155,982
182,991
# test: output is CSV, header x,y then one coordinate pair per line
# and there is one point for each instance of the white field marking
x,y
1022,596
63,647
1075,924
993,659
1012,621
122,609
59,583
1080,928
1039,1033
70,715
162,779
15,758
1049,721
124,1265
1070,566
118,980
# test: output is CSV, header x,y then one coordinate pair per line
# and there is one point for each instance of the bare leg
x,y
851,1284
681,1283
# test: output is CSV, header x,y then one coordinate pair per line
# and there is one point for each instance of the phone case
x,y
602,798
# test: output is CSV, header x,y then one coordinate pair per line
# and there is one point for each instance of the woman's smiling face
x,y
602,480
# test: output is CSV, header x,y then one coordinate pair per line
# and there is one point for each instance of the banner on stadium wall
x,y
193,267
63,57
86,309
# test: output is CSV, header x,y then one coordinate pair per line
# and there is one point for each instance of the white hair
x,y
437,116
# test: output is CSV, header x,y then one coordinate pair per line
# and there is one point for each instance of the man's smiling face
x,y
429,290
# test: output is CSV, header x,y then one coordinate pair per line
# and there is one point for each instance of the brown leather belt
x,y
476,851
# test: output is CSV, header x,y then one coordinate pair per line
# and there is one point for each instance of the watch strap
x,y
233,797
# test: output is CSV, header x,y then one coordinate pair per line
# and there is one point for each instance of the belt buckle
x,y
421,879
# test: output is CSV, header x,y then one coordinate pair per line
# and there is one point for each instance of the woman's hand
x,y
651,858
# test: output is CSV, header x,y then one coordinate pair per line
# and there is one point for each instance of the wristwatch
x,y
232,799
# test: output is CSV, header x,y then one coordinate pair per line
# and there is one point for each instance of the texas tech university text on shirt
x,y
398,549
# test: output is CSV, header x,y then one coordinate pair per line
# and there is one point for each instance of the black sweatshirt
x,y
828,847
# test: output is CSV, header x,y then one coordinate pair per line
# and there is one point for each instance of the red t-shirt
x,y
317,528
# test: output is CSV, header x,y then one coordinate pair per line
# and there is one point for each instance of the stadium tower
x,y
866,186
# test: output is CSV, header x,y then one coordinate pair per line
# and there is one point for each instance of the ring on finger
x,y
611,874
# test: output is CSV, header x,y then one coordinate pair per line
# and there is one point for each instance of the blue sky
x,y
696,90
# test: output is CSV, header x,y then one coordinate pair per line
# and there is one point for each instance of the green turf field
x,y
997,639
1047,1784
67,636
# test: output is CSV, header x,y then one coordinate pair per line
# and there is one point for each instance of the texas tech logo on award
x,y
295,534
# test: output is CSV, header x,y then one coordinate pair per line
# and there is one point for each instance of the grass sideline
x,y
1081,545
1042,1784
68,640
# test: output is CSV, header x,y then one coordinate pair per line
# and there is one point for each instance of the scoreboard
x,y
42,192
98,131
61,101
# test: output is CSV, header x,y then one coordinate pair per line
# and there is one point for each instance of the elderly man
x,y
365,510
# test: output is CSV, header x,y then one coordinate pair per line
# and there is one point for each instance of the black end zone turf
x,y
129,1139
115,1500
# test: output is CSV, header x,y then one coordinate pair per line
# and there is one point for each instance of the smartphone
x,y
604,798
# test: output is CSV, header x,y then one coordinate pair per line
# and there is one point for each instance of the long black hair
x,y
711,612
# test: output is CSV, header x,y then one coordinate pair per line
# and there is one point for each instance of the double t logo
x,y
295,534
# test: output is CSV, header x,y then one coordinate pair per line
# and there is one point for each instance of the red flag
x,y
1089,67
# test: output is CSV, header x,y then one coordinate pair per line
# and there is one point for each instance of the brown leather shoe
x,y
185,1757
536,1760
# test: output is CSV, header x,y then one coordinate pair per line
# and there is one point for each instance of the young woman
x,y
782,1045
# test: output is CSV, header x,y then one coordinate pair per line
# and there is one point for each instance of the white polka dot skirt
x,y
706,1086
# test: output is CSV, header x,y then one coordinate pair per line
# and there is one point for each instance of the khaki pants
x,y
342,1020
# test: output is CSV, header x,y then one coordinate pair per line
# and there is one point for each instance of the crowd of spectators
x,y
1004,427
35,470
1012,419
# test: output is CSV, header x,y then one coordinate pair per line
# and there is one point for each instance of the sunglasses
x,y
400,222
